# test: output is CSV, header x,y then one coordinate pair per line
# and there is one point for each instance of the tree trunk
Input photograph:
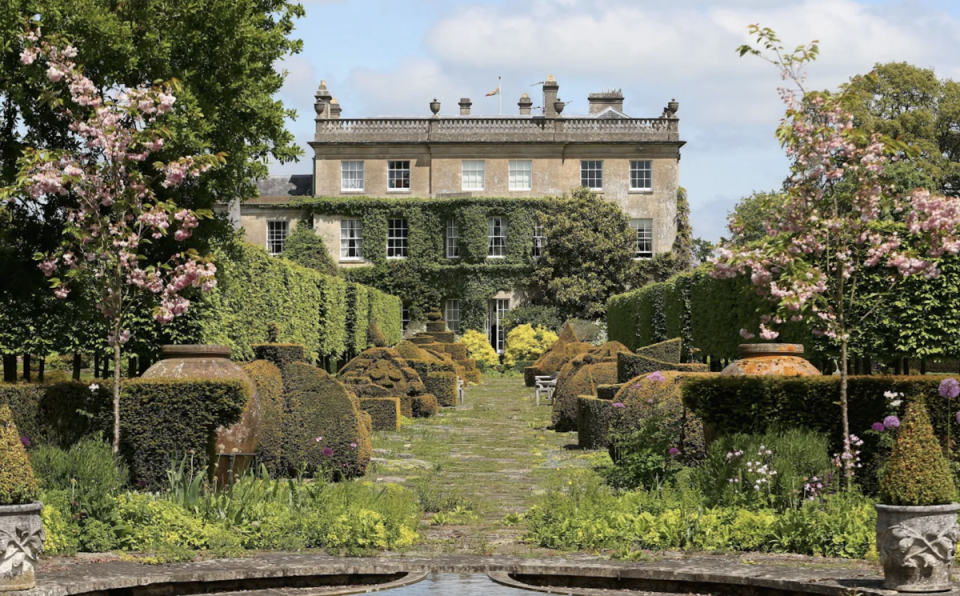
x,y
116,395
26,368
77,362
144,363
896,367
131,367
96,365
41,366
923,366
843,406
9,368
105,373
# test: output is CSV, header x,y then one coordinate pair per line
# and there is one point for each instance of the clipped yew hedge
x,y
443,385
280,355
594,417
268,383
163,420
384,412
49,413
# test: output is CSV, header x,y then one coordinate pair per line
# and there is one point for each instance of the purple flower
x,y
25,441
636,386
949,388
353,445
618,404
327,452
674,452
142,483
657,376
877,426
891,422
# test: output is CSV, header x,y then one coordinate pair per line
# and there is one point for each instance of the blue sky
x,y
392,57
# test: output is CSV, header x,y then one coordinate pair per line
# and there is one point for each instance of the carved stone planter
x,y
21,540
784,360
917,546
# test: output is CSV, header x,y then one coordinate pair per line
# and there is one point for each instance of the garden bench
x,y
546,384
460,389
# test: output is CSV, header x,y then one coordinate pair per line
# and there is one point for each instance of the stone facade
x,y
539,152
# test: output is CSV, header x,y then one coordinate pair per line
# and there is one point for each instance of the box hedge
x,y
424,406
323,430
608,392
634,365
162,420
268,382
594,417
443,385
384,412
578,377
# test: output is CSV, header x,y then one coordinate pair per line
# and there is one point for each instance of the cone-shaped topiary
x,y
917,473
17,484
375,337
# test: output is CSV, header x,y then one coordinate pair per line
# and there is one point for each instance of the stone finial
x,y
672,107
435,107
335,109
465,104
525,104
323,97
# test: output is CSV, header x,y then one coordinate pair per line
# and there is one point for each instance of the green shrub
x,y
384,412
386,311
664,351
63,538
318,406
630,366
358,316
917,473
17,484
280,355
24,403
424,406
778,469
578,377
155,522
375,337
164,419
535,316
305,247
527,343
608,392
443,385
594,417
586,331
267,380
479,349
59,413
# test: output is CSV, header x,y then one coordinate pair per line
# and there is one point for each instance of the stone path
x,y
476,464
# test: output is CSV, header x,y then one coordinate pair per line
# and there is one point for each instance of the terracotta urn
x,y
917,545
21,540
785,360
236,443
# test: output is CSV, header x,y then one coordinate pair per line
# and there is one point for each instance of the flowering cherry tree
x,y
112,209
841,218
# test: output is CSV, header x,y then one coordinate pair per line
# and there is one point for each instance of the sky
x,y
392,57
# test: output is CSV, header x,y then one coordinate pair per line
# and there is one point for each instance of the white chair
x,y
460,389
546,384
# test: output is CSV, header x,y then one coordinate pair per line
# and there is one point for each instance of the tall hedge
x,y
162,420
358,316
386,311
51,413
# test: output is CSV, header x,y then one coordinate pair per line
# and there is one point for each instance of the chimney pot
x,y
608,98
465,104
525,104
550,90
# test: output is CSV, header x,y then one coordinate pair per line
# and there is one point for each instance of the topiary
x,y
375,337
17,484
479,348
266,378
281,355
917,473
525,342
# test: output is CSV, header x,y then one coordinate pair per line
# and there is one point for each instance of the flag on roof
x,y
494,92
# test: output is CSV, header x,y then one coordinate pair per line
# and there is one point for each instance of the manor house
x,y
537,152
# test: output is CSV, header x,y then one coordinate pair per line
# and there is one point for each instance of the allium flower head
x,y
674,452
25,441
949,388
619,404
891,422
327,452
877,426
657,376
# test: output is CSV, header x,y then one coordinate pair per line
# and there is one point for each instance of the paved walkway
x,y
476,464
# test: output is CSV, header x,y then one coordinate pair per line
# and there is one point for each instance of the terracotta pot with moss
x,y
917,529
21,531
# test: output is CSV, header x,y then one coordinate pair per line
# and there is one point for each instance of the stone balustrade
x,y
496,129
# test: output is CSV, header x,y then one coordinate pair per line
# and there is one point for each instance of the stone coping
x,y
744,572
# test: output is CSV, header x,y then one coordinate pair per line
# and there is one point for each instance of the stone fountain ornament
x,y
21,540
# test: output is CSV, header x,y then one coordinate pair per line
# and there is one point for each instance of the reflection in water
x,y
456,584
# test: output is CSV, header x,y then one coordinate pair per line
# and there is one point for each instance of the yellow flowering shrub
x,y
526,343
479,348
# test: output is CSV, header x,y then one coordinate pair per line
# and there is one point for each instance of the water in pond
x,y
456,584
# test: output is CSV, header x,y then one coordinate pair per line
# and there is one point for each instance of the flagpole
x,y
500,94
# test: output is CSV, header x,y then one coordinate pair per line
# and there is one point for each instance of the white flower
x,y
94,387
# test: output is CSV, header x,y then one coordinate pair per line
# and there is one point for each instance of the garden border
x,y
756,573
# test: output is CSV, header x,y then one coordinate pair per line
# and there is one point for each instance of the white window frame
x,y
497,308
517,168
394,166
405,317
451,314
398,234
473,174
349,170
452,239
539,240
497,242
590,171
354,229
643,227
641,170
274,237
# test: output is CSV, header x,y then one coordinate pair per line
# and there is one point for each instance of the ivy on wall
x,y
426,278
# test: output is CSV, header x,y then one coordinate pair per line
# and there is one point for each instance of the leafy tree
x,y
308,249
840,218
752,214
702,251
588,254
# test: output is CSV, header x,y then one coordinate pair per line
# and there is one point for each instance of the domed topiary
x,y
17,484
917,473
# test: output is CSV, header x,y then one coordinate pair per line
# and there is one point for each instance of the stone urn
x,y
785,360
21,540
917,545
235,444
558,106
435,106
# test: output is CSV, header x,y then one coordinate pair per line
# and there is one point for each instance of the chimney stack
x,y
612,98
465,104
335,109
550,90
525,104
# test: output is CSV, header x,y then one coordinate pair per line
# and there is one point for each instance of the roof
x,y
297,185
